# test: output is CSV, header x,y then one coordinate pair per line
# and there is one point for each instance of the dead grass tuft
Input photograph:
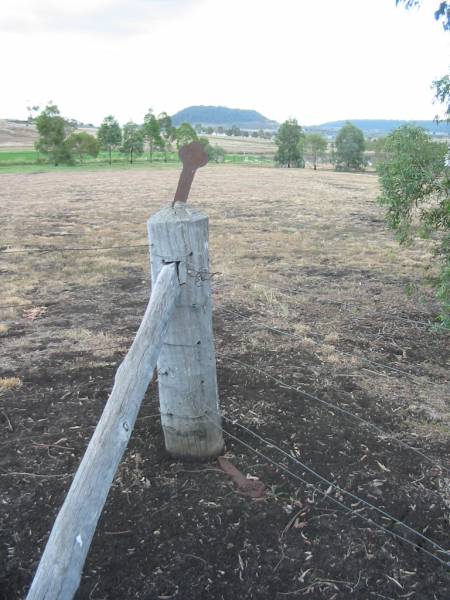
x,y
332,338
7,384
94,341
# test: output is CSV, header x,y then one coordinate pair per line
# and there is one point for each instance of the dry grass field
x,y
17,135
305,253
243,145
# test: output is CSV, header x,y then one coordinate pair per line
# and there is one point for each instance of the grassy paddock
x,y
27,160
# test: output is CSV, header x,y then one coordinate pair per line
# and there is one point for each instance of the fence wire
x,y
348,509
411,376
69,249
334,407
342,304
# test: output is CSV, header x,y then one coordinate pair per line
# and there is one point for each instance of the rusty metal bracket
x,y
193,156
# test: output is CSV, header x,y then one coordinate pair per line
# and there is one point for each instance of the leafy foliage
x,y
234,130
152,133
442,13
109,135
215,153
442,94
350,146
317,146
53,130
415,184
133,140
290,140
83,144
168,132
185,134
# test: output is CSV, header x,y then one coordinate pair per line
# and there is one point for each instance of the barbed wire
x,y
203,275
334,407
70,249
339,488
413,377
335,500
224,274
324,480
121,346
340,303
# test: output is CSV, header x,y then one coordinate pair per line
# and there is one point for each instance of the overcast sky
x,y
316,60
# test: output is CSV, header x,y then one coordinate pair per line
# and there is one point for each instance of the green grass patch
x,y
18,157
31,161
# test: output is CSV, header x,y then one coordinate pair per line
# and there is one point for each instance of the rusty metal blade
x,y
193,156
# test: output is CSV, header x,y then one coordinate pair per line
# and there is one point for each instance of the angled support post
x,y
59,572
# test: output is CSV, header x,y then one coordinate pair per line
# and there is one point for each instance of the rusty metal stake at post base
x,y
193,156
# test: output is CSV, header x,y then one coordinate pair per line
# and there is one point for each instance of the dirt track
x,y
303,252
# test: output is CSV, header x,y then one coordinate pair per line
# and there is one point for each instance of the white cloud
x,y
313,60
94,16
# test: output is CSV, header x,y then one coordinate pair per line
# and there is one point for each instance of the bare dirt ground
x,y
303,252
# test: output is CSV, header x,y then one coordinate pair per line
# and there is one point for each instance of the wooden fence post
x,y
187,364
59,572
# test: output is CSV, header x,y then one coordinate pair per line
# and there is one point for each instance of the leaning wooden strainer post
x,y
186,367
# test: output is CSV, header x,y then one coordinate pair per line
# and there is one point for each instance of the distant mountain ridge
x,y
221,116
380,127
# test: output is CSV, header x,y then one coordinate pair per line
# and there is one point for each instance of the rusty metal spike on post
x,y
193,156
187,378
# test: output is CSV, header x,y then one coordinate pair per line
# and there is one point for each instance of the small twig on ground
x,y
10,427
194,556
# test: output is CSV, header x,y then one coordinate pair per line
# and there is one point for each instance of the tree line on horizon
x,y
346,152
413,168
61,144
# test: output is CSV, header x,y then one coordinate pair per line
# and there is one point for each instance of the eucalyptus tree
x,y
132,140
152,133
290,140
109,135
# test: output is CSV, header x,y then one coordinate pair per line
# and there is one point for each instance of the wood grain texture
x,y
187,363
59,572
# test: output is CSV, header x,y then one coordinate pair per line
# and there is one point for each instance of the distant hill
x,y
380,127
215,116
15,133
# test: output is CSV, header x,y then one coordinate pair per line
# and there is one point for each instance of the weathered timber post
x,y
186,365
59,571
